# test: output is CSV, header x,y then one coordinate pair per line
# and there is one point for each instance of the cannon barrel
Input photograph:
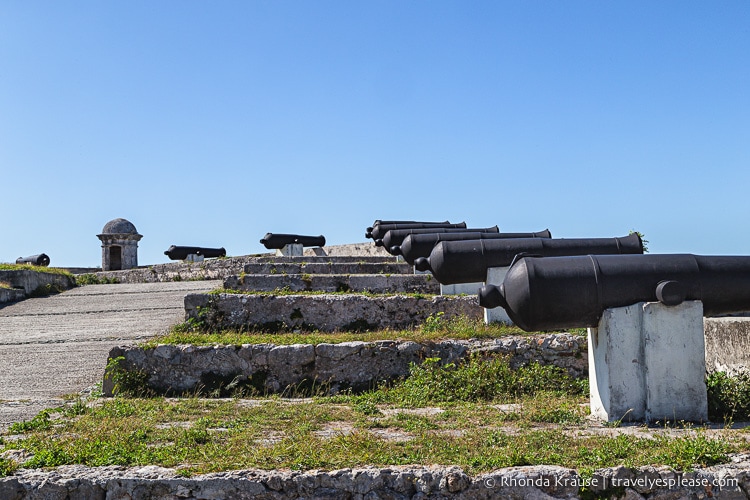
x,y
379,231
41,259
368,233
278,240
454,262
175,252
573,292
420,245
395,237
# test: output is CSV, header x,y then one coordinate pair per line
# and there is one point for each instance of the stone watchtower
x,y
119,245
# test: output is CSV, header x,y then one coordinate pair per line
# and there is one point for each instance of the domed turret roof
x,y
119,226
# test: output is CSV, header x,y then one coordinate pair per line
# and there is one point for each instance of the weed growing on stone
x,y
728,396
93,279
476,380
46,290
39,269
126,382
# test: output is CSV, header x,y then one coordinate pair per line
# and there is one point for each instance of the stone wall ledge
x,y
374,283
175,369
211,269
324,312
731,480
29,280
11,295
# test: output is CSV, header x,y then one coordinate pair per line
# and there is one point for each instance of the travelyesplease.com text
x,y
639,483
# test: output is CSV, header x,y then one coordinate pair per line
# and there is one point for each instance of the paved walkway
x,y
58,345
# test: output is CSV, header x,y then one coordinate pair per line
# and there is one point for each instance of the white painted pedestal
x,y
495,276
459,288
647,363
291,250
191,257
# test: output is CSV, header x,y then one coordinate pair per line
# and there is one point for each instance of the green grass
x,y
729,396
200,436
93,279
39,269
435,329
451,415
476,380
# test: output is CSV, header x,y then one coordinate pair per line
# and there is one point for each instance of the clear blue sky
x,y
212,123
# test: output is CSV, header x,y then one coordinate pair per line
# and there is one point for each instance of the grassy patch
x,y
460,328
728,396
39,269
4,284
46,290
450,415
476,380
93,279
200,436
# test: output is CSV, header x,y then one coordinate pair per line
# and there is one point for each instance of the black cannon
x,y
454,262
180,252
378,222
279,241
379,231
573,292
394,237
41,259
420,245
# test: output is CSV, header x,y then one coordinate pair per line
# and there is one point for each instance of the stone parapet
x,y
729,480
11,295
331,368
328,267
374,283
727,344
222,268
324,312
30,280
367,248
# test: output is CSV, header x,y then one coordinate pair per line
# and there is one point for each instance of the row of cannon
x,y
181,252
565,283
270,241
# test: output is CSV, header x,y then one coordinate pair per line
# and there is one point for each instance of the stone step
x,y
374,283
371,259
356,365
325,313
310,267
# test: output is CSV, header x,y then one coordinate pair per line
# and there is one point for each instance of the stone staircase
x,y
308,293
378,293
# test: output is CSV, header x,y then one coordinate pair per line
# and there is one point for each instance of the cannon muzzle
x,y
175,252
417,245
454,262
278,241
41,259
423,264
573,292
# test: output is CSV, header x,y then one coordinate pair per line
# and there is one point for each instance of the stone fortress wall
x,y
176,368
